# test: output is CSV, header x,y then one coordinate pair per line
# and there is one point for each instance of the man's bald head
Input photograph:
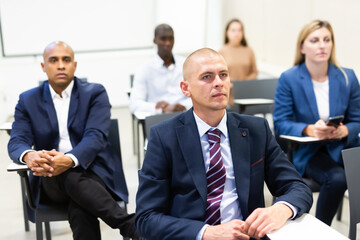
x,y
50,46
207,83
59,65
195,57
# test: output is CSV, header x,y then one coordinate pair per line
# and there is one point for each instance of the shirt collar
x,y
204,127
65,94
160,62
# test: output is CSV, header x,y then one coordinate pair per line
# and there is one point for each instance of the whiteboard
x,y
86,25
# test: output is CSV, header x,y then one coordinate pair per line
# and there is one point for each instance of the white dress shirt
x,y
229,207
155,82
62,104
321,90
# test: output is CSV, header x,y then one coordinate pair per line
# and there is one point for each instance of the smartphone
x,y
335,121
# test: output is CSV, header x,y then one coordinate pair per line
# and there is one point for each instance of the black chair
x,y
351,158
49,212
154,119
258,88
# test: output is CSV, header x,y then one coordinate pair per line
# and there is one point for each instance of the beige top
x,y
241,62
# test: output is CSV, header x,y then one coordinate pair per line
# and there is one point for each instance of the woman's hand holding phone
x,y
335,121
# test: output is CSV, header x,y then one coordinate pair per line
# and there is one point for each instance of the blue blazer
x,y
171,199
295,108
36,127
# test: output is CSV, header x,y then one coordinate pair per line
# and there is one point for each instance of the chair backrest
x,y
351,158
258,88
154,119
114,137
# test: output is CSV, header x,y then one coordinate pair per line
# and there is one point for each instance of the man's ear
x,y
184,85
43,67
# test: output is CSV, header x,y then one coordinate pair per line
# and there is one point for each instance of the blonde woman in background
x,y
315,89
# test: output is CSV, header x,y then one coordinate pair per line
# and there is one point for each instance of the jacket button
x,y
244,134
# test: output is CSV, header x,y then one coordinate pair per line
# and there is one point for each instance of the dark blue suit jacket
x,y
171,198
296,107
36,127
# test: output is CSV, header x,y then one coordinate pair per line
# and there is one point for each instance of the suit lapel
x,y
189,141
240,153
334,89
309,90
74,103
49,106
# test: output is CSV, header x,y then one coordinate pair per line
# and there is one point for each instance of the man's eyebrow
x,y
56,57
206,73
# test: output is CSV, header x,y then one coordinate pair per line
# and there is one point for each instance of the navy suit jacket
x,y
36,127
296,107
171,199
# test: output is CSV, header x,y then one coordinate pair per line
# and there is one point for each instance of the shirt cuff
x,y
75,160
158,111
294,209
201,232
23,154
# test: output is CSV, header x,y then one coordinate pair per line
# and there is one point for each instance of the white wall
x,y
113,69
272,28
87,25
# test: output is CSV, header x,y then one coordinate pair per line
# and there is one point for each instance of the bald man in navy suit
x,y
172,197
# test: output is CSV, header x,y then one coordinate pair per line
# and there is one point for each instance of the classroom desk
x,y
6,126
306,227
247,102
294,142
17,167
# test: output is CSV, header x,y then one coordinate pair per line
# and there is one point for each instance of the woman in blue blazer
x,y
315,89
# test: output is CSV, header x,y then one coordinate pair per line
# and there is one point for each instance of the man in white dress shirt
x,y
61,132
156,85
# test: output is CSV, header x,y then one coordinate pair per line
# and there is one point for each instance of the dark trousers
x,y
88,200
331,176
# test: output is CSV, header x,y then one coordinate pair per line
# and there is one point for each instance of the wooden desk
x,y
247,102
306,227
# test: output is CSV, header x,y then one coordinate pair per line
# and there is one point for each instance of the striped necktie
x,y
215,177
